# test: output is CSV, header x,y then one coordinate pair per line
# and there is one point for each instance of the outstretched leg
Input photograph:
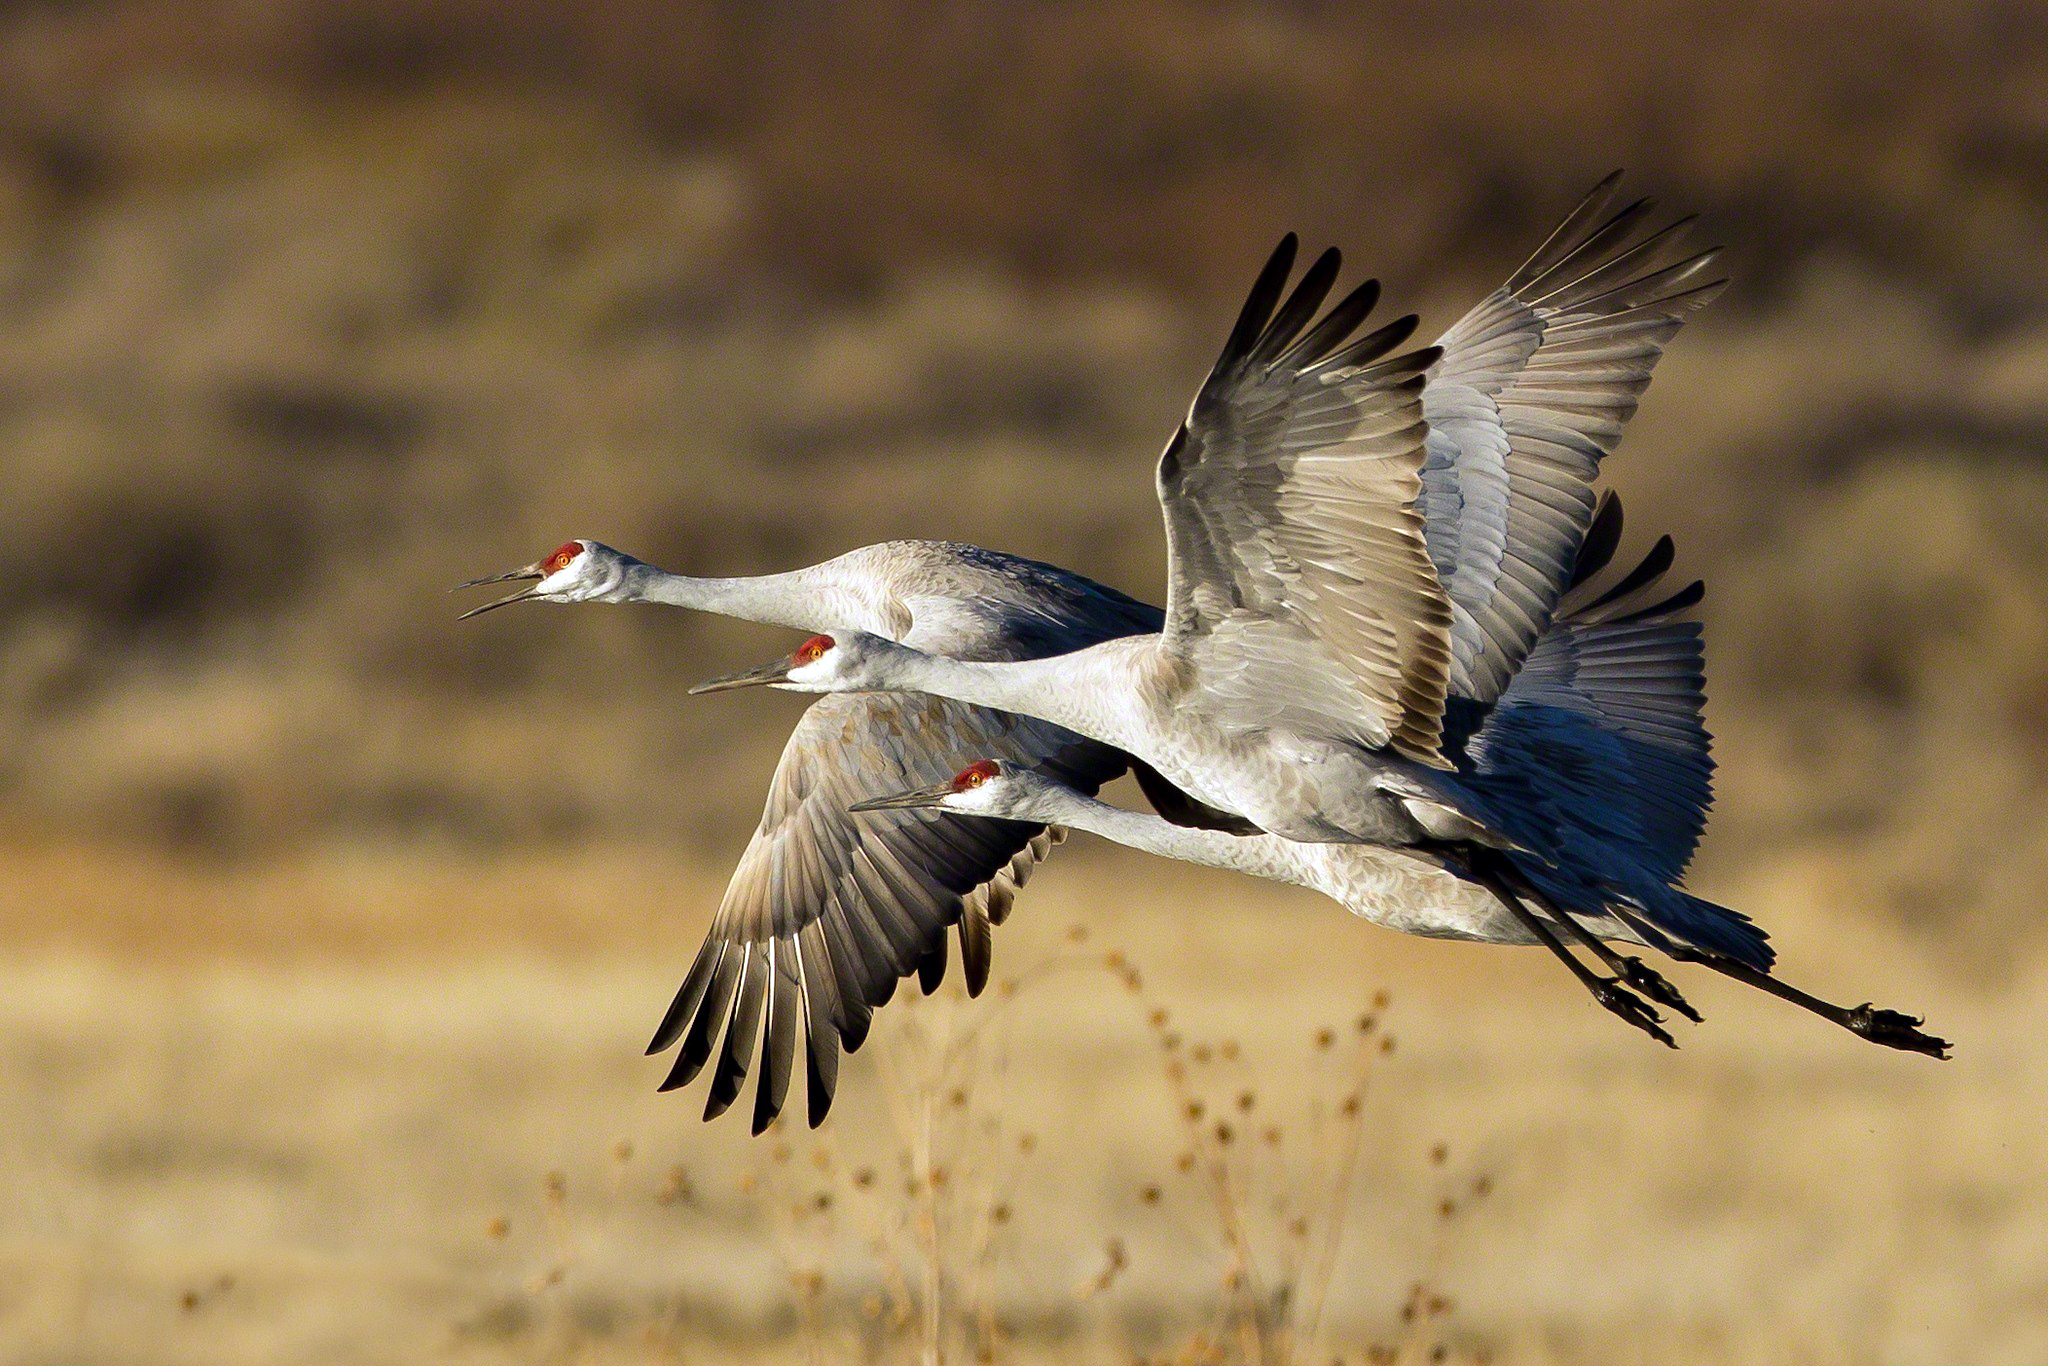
x,y
1627,968
1608,991
1888,1027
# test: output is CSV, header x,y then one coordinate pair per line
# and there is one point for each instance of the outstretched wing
x,y
1605,723
1530,393
828,910
1297,576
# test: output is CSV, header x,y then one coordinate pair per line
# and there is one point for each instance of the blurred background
x,y
332,929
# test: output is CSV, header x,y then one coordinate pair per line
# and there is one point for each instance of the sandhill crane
x,y
828,910
1612,690
1490,452
1315,631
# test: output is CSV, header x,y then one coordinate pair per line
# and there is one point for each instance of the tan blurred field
x,y
330,930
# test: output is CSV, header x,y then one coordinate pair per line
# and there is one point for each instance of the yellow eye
x,y
975,774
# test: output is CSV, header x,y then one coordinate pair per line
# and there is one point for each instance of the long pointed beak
x,y
776,672
531,571
916,797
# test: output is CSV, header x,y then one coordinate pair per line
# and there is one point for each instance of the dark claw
x,y
1633,1009
1894,1030
1656,986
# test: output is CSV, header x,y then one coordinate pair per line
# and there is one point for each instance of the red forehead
x,y
564,553
983,769
815,645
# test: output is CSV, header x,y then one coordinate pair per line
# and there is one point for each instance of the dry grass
x,y
363,1155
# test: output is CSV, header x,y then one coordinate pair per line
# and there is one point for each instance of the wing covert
x,y
1292,521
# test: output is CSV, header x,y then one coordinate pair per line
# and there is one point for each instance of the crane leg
x,y
1891,1028
1610,992
1631,970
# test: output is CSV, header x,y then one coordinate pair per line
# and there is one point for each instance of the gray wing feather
x,y
1531,392
1605,724
827,911
1297,574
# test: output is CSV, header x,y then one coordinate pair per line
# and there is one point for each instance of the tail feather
x,y
1707,926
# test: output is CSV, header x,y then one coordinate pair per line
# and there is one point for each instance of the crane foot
x,y
1893,1030
1653,984
1633,1009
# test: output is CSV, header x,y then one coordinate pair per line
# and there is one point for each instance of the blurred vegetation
x,y
314,308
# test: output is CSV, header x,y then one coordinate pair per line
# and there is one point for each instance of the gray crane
x,y
828,910
813,887
1342,563
1612,691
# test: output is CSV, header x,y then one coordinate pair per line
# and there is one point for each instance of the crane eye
x,y
813,650
975,774
562,558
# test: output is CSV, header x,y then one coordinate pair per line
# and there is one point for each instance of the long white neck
x,y
1265,856
1101,692
798,599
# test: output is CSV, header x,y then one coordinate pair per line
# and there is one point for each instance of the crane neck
x,y
1097,692
794,599
1265,856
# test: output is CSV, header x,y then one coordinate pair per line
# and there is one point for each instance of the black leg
x,y
1887,1027
1628,968
1607,991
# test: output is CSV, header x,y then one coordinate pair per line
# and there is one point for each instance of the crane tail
x,y
1706,926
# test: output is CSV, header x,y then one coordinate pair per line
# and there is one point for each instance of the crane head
x,y
576,571
852,661
985,787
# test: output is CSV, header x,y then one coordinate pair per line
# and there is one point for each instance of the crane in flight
x,y
1315,628
827,910
1610,699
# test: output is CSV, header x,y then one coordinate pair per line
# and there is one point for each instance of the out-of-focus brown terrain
x,y
332,928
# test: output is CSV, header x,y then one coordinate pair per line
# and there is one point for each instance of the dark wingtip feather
x,y
778,1043
1375,344
688,996
1684,600
741,1035
1602,539
1300,308
821,1075
854,1026
931,969
977,945
1259,304
1653,567
1344,318
711,1012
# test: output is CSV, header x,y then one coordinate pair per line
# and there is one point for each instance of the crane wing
x,y
1297,576
1606,715
1530,393
828,910
1601,735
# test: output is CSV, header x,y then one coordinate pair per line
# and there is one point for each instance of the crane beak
x,y
916,797
766,674
531,571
